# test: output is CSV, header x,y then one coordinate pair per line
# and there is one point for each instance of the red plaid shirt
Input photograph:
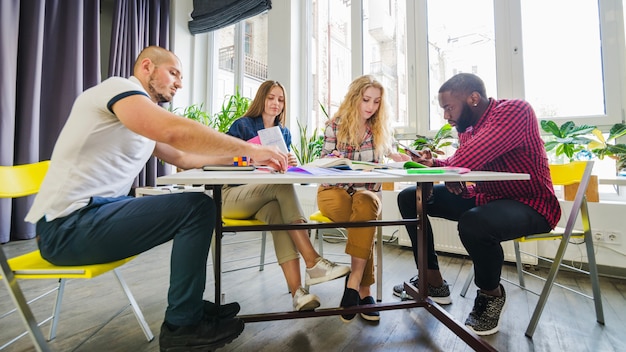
x,y
507,139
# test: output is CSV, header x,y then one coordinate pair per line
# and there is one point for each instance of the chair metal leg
x,y
468,282
320,243
138,314
22,306
518,265
547,287
595,282
262,260
379,264
56,310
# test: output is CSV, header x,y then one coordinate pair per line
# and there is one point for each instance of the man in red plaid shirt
x,y
494,135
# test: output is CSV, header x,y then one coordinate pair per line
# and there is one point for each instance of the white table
x,y
215,179
614,180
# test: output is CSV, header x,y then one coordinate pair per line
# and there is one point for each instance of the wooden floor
x,y
568,322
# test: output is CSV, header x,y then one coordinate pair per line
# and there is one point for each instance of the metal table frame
x,y
215,180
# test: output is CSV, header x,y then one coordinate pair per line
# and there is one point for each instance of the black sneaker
x,y
223,311
485,316
369,316
350,299
207,335
439,294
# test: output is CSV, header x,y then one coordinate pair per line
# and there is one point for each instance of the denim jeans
x,y
110,229
481,228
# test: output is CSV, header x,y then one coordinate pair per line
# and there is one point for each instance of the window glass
x,y
562,61
330,57
253,43
255,54
225,82
460,39
384,54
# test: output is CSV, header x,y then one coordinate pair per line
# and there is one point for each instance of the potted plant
x,y
567,140
583,143
308,148
233,107
601,148
443,138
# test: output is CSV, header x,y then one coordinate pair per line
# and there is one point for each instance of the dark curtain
x,y
49,53
136,25
209,15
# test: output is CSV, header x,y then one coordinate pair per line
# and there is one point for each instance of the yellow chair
x,y
319,217
578,172
23,180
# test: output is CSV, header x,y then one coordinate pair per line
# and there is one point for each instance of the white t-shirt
x,y
95,154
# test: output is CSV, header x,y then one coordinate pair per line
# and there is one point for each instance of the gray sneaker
x,y
303,300
324,270
485,316
439,294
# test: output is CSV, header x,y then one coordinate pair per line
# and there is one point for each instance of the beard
x,y
466,119
153,91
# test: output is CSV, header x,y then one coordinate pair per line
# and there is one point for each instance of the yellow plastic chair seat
x,y
556,234
33,266
242,222
319,217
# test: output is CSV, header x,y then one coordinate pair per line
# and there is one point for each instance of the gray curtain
x,y
49,53
137,24
209,15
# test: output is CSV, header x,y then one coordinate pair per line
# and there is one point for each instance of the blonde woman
x,y
359,131
278,204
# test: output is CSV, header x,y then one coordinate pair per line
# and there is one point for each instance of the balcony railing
x,y
252,67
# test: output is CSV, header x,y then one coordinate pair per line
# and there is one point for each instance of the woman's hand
x,y
292,160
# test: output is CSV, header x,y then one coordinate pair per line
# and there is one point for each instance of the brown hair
x,y
257,106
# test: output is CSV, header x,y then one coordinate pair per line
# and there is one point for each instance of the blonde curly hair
x,y
348,117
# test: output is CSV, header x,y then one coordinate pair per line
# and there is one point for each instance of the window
x,y
460,39
330,57
384,53
563,62
242,59
554,54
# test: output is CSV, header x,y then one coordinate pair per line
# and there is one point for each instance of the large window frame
x,y
289,49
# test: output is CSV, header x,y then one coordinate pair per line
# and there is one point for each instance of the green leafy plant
x,y
601,147
196,112
233,107
435,144
568,139
308,148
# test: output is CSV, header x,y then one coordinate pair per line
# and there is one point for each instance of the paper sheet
x,y
272,136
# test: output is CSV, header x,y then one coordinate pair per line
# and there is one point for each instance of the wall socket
x,y
608,237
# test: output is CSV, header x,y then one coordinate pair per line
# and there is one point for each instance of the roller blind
x,y
209,15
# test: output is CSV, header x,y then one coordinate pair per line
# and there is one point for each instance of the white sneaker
x,y
303,300
325,270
